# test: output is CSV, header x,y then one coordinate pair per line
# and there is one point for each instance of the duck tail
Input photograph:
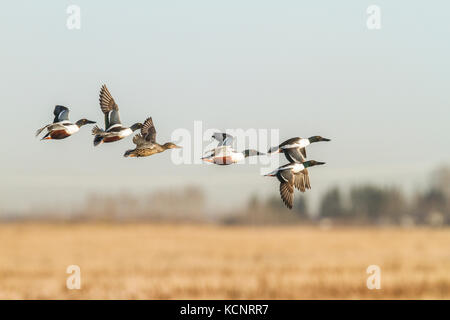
x,y
46,137
97,131
98,139
38,132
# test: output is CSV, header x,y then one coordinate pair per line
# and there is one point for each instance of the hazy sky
x,y
304,68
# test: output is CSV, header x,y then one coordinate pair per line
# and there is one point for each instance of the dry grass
x,y
133,261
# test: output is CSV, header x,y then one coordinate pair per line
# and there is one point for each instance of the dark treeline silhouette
x,y
374,204
360,204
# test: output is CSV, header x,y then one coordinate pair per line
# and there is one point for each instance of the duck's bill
x,y
129,154
320,163
90,121
274,150
208,159
325,139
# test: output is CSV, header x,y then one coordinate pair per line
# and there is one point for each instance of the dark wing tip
x,y
106,100
148,130
287,194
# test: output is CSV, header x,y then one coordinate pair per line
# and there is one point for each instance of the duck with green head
x,y
61,127
294,149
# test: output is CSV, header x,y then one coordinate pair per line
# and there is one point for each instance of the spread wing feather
x,y
107,102
299,182
109,107
148,130
287,194
139,140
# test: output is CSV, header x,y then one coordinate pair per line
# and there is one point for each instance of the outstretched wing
x,y
287,194
224,139
139,140
300,180
61,114
148,130
109,107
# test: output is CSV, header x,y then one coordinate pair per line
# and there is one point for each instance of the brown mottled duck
x,y
146,144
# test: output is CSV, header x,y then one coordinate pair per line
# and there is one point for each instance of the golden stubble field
x,y
156,261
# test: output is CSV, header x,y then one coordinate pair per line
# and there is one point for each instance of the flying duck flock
x,y
293,175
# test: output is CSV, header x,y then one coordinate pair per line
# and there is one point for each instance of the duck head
x,y
129,153
82,122
274,150
136,126
312,163
251,152
317,139
170,145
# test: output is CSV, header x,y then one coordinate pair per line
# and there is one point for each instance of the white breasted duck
x,y
146,144
294,148
224,139
61,127
293,175
114,130
226,155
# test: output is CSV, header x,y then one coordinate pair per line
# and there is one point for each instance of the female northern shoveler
x,y
293,175
145,142
61,127
226,155
294,148
114,130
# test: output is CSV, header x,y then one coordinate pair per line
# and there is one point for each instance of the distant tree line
x,y
374,204
361,204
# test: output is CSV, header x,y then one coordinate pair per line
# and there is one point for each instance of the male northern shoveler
x,y
294,148
226,155
114,130
293,175
224,139
146,144
61,127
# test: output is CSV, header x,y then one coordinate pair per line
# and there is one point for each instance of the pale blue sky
x,y
304,68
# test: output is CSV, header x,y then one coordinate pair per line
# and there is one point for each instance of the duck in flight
x,y
223,139
225,155
146,144
293,175
294,149
114,130
61,127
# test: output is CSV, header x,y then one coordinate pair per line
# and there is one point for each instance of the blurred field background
x,y
160,261
171,245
